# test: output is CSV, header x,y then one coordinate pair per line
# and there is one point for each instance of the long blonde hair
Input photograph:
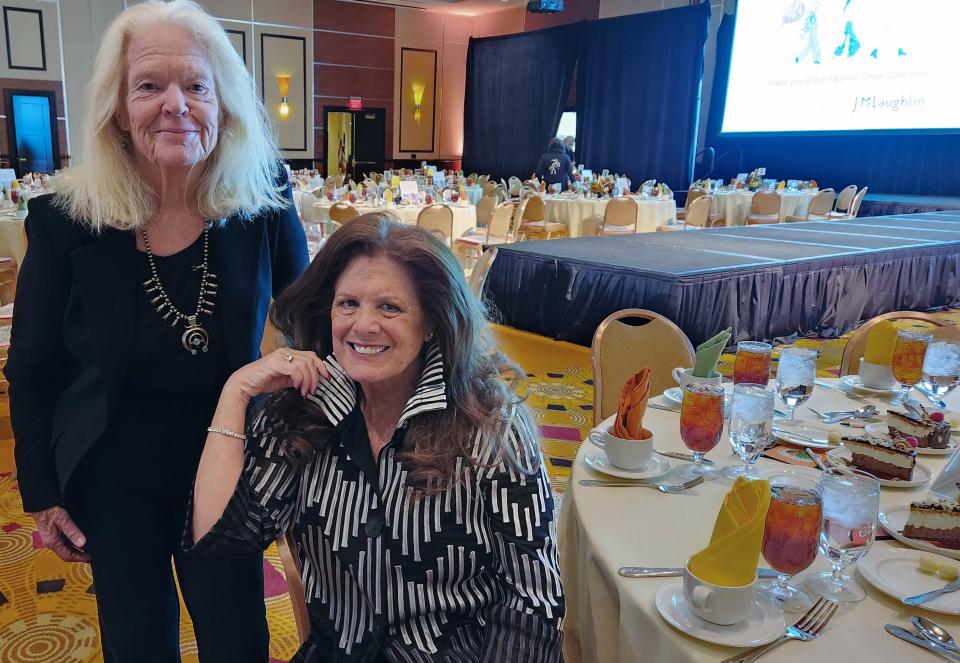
x,y
105,189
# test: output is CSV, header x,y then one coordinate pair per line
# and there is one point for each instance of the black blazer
x,y
76,305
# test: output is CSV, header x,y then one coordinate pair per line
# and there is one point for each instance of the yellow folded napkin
x,y
781,185
734,551
633,405
880,344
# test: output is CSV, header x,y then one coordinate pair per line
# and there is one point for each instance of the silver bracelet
x,y
228,433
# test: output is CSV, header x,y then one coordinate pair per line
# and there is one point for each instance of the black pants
x,y
132,538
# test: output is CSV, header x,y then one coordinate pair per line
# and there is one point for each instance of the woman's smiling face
x,y
377,323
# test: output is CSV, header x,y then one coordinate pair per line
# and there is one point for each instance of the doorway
x,y
34,143
354,141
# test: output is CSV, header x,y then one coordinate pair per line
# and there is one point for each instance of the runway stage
x,y
765,281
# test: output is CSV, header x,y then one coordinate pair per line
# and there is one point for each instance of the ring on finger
x,y
288,357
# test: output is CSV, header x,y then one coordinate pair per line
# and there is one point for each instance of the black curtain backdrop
x,y
638,93
908,164
516,89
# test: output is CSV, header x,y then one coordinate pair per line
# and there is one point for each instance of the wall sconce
x,y
418,89
283,82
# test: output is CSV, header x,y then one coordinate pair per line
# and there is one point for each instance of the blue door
x,y
32,126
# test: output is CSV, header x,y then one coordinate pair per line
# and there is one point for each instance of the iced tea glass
x,y
790,537
908,356
752,365
701,424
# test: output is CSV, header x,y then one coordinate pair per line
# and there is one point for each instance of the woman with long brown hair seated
x,y
405,467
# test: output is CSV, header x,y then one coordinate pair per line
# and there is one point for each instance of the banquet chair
x,y
844,200
470,247
764,208
489,187
482,180
8,280
438,220
619,217
698,214
625,342
852,210
857,343
287,547
692,194
818,209
533,221
342,213
480,270
485,209
857,200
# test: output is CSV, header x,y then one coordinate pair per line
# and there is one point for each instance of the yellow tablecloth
x,y
614,619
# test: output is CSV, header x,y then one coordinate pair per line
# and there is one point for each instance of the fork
x,y
806,629
670,488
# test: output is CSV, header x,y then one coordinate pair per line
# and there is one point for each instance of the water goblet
x,y
751,420
796,373
851,503
908,356
701,424
752,364
941,369
790,536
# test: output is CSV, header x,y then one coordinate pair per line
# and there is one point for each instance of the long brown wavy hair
x,y
477,377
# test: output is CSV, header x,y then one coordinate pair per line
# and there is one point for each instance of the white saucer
x,y
894,571
895,518
764,623
881,429
657,466
818,432
854,382
921,473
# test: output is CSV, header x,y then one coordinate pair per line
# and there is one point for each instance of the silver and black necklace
x,y
195,338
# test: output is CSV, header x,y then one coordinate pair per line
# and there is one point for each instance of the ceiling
x,y
469,7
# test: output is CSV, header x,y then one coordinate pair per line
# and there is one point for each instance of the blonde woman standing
x,y
145,285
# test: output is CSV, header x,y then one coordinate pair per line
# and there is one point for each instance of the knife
x,y
904,634
682,456
668,571
927,596
848,394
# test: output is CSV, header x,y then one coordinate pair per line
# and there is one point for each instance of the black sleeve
x,y
289,243
37,355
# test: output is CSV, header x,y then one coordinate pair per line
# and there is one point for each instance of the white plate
x,y
818,432
764,623
881,429
854,382
895,518
658,466
894,571
921,473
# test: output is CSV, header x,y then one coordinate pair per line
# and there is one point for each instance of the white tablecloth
x,y
13,241
464,215
474,193
735,205
583,216
615,620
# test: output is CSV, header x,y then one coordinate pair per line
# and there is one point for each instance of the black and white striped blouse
x,y
470,574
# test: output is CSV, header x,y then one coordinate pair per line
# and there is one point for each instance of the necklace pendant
x,y
195,338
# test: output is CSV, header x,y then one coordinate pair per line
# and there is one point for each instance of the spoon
x,y
835,417
935,633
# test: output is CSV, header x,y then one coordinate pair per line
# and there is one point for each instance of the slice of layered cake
x,y
936,520
883,457
930,433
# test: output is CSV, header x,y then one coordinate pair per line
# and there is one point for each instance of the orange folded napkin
x,y
633,405
731,558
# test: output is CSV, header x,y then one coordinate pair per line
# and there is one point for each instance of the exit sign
x,y
355,103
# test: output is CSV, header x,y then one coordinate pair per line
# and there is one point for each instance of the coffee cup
x,y
876,376
630,455
718,604
685,376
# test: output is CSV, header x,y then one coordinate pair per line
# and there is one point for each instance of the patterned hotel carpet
x,y
48,609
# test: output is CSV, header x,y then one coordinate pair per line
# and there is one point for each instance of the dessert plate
x,y
657,466
921,473
881,429
893,521
854,382
764,623
894,571
803,434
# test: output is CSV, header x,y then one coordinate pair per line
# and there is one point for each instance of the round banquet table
x,y
735,205
474,193
464,214
583,216
614,619
13,239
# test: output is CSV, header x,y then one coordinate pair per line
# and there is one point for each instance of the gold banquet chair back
x,y
764,208
480,270
819,207
853,351
619,217
287,547
485,210
625,342
698,213
845,199
343,213
437,219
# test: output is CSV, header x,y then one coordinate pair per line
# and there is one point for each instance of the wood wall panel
x,y
353,50
353,82
352,17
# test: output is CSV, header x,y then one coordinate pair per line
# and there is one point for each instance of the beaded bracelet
x,y
228,433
